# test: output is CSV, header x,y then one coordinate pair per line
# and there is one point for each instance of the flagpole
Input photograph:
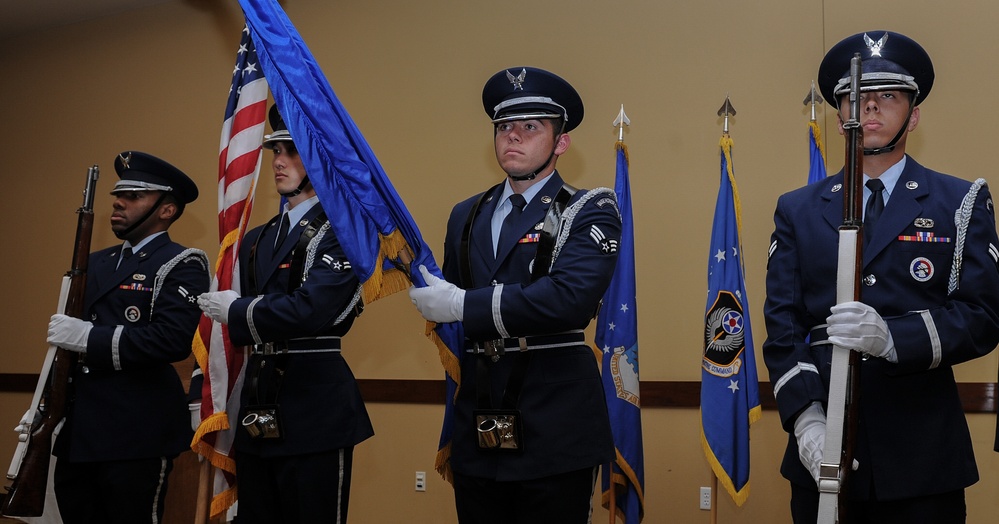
x,y
619,122
612,508
714,498
725,111
204,493
812,99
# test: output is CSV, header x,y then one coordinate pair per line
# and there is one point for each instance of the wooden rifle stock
x,y
26,495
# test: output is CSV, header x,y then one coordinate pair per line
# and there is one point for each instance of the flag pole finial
x,y
813,98
726,111
621,121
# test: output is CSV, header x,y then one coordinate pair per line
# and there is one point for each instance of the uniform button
x,y
870,280
86,370
93,317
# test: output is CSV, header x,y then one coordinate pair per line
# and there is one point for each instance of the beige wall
x,y
411,74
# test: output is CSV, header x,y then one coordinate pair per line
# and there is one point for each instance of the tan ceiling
x,y
24,16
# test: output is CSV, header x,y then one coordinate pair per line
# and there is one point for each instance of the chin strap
x,y
122,235
297,191
898,136
533,174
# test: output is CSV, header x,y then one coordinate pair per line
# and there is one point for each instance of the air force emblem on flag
x,y
724,336
624,370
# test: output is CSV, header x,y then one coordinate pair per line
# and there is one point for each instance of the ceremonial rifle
x,y
844,380
26,495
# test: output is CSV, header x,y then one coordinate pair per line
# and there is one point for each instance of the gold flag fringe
x,y
216,422
453,369
817,133
742,495
627,477
384,283
443,463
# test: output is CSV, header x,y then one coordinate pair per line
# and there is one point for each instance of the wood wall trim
x,y
977,397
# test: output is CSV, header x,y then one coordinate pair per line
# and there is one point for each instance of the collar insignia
x,y
836,188
517,81
875,46
912,184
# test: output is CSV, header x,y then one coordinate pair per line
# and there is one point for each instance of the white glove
x,y
69,333
857,326
440,300
24,427
216,304
810,430
195,410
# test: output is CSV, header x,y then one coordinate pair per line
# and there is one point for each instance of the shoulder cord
x,y
356,305
570,214
962,217
187,255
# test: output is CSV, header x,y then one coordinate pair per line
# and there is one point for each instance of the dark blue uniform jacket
x,y
913,437
320,404
562,404
128,401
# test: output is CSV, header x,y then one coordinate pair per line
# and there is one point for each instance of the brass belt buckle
x,y
494,349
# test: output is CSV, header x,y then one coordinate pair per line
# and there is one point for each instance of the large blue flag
x,y
617,338
377,232
730,399
816,155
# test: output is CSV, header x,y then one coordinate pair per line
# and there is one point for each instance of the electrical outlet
x,y
421,481
705,500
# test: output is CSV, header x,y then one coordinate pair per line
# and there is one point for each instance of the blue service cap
x,y
525,93
138,171
279,131
888,61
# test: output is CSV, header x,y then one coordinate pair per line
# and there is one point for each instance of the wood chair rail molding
x,y
976,397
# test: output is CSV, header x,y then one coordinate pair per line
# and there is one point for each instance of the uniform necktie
x,y
875,205
126,253
508,234
282,231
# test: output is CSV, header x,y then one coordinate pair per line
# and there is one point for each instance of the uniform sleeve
x,y
168,336
329,289
965,326
565,299
793,371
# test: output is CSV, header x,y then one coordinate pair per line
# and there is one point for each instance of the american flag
x,y
223,364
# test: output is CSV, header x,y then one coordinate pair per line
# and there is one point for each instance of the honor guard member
x,y
526,264
302,412
928,302
127,414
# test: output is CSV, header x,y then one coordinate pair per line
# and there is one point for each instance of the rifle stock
x,y
26,495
